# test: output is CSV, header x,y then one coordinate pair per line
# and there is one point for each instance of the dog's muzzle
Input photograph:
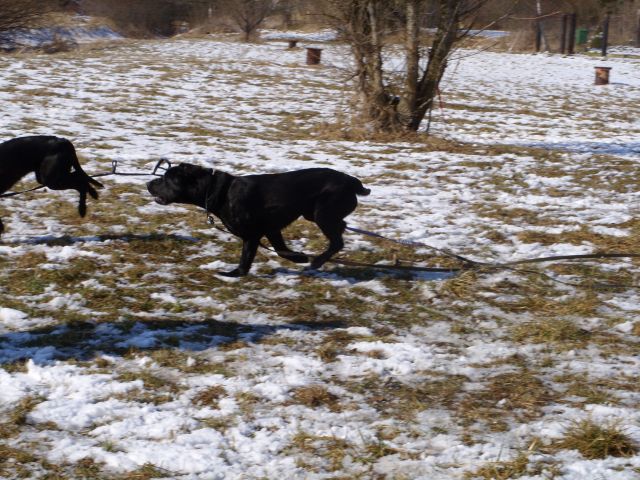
x,y
152,188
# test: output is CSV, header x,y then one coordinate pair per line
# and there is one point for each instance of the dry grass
x,y
521,395
331,449
147,472
210,396
551,330
395,399
14,461
581,236
502,470
315,396
597,441
518,467
155,390
190,363
16,417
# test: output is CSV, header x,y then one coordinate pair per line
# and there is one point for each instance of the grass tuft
x,y
502,470
210,396
314,396
597,441
555,330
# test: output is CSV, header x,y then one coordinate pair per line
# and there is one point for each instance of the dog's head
x,y
181,184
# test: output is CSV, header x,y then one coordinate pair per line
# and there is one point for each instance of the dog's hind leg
x,y
333,230
329,216
249,249
54,173
74,181
1,227
277,242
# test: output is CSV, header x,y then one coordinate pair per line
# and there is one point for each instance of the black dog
x,y
54,162
254,206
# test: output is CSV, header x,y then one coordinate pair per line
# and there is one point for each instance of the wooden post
x,y
313,56
605,34
573,20
602,75
563,37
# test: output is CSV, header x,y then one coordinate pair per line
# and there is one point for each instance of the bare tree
x,y
401,100
21,13
248,15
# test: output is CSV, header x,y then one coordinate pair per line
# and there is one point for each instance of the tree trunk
x,y
412,46
362,22
573,21
563,35
638,28
382,110
545,44
375,56
438,55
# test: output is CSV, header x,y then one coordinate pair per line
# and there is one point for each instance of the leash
x,y
468,264
411,243
162,165
472,264
496,264
13,194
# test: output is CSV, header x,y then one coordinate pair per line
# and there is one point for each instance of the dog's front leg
x,y
249,249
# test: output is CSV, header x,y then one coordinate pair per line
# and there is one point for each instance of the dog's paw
x,y
236,272
296,257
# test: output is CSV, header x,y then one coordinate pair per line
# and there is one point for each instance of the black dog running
x,y
255,206
54,162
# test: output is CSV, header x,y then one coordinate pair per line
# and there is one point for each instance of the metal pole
x,y
638,29
573,20
605,34
563,38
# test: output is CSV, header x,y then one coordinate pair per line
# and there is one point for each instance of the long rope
x,y
497,264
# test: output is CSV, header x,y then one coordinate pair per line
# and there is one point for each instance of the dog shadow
x,y
85,341
353,275
356,275
66,240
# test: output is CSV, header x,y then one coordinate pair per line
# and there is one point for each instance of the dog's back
x,y
31,146
22,155
305,183
18,157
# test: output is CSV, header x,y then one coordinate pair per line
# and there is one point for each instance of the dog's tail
x,y
71,150
83,182
359,188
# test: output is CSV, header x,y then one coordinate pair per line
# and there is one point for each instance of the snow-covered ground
x,y
123,352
